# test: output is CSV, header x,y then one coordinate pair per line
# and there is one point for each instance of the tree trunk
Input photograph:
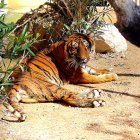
x,y
128,14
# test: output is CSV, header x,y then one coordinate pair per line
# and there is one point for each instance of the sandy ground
x,y
118,120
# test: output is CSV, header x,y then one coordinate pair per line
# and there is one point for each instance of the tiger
x,y
65,61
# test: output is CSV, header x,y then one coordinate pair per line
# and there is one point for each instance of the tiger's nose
x,y
83,61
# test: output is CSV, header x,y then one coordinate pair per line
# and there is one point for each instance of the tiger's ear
x,y
53,46
91,39
58,44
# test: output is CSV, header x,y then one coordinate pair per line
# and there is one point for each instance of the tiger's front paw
x,y
89,94
95,93
114,76
98,103
111,77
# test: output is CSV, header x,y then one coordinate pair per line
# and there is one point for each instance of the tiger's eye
x,y
86,43
73,49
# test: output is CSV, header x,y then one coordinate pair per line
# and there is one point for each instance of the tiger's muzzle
x,y
82,61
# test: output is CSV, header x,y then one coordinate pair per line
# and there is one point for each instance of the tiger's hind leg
x,y
52,93
15,96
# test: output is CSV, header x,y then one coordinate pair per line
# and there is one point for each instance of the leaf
x,y
5,84
6,26
10,43
2,4
30,51
2,17
1,44
21,37
37,35
28,36
2,24
15,49
5,29
67,27
27,47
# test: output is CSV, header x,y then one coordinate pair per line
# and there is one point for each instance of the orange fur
x,y
42,82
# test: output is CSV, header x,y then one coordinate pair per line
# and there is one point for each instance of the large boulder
x,y
110,39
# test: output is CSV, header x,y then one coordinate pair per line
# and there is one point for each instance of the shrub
x,y
10,48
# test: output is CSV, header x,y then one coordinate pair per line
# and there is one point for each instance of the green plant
x,y
2,4
85,15
10,48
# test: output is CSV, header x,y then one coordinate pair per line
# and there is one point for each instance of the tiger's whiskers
x,y
71,64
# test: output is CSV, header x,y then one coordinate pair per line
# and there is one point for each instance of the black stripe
x,y
15,89
44,69
32,81
55,77
40,68
45,59
35,82
42,63
51,93
48,74
59,88
64,93
38,55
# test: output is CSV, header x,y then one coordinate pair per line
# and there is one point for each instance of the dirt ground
x,y
119,119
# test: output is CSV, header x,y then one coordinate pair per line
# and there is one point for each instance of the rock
x,y
110,40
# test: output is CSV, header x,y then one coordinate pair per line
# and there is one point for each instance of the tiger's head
x,y
75,50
